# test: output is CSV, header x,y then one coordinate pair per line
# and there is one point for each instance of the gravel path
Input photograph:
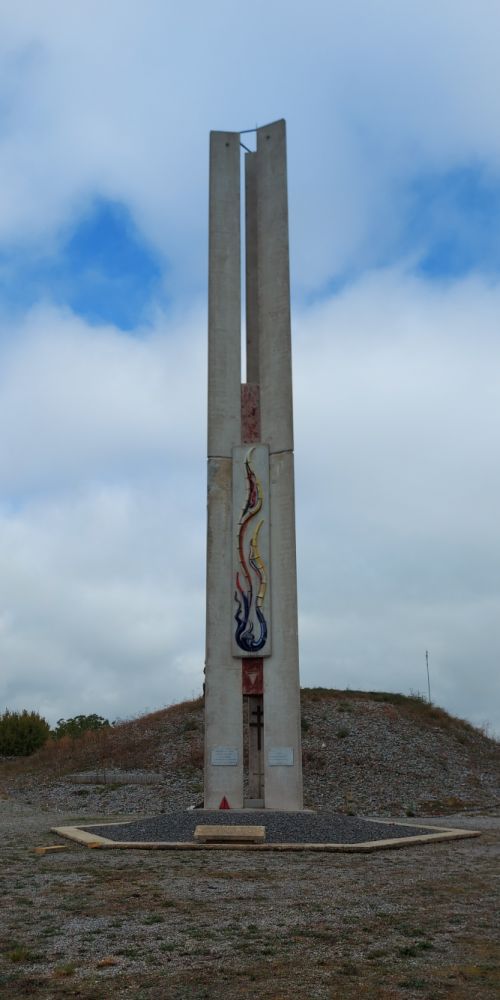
x,y
281,827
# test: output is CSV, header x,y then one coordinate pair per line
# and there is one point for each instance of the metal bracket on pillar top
x,y
245,131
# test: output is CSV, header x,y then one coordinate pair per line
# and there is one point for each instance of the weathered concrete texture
x,y
283,784
223,699
223,702
224,295
251,255
273,289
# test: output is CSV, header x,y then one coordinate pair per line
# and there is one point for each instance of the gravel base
x,y
281,827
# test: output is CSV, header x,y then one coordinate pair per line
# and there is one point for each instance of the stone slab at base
x,y
230,834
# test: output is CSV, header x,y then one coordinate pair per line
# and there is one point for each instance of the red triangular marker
x,y
224,804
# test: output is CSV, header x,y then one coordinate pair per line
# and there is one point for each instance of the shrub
x,y
78,725
21,733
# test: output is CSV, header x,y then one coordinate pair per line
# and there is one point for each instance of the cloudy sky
x,y
392,113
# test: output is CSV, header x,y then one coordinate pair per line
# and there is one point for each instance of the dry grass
x,y
131,743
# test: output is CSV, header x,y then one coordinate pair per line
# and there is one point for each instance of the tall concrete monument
x,y
252,693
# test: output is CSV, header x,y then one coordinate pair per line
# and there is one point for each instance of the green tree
x,y
78,724
21,733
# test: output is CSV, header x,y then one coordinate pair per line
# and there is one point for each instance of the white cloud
x,y
397,416
102,583
102,451
102,597
118,99
102,435
79,401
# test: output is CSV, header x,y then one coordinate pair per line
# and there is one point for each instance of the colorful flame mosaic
x,y
251,576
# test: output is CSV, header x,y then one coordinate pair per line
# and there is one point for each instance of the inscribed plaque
x,y
224,756
280,756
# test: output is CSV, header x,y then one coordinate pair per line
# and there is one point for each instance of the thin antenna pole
x,y
428,681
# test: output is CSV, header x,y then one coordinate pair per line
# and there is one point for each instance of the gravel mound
x,y
361,756
281,828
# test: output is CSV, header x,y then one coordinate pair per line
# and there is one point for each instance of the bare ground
x,y
415,923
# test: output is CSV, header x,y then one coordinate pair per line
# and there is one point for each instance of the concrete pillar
x,y
273,290
251,256
283,782
224,295
282,735
267,411
223,698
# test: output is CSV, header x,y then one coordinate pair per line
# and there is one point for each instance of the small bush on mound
x,y
78,725
21,733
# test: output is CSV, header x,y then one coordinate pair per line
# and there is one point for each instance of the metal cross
x,y
259,724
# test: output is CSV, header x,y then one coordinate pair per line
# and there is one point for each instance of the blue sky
x,y
394,195
104,269
100,267
455,224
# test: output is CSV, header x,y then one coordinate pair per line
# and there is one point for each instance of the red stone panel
x,y
253,675
250,413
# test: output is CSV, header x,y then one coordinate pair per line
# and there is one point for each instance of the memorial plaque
x,y
280,756
224,756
